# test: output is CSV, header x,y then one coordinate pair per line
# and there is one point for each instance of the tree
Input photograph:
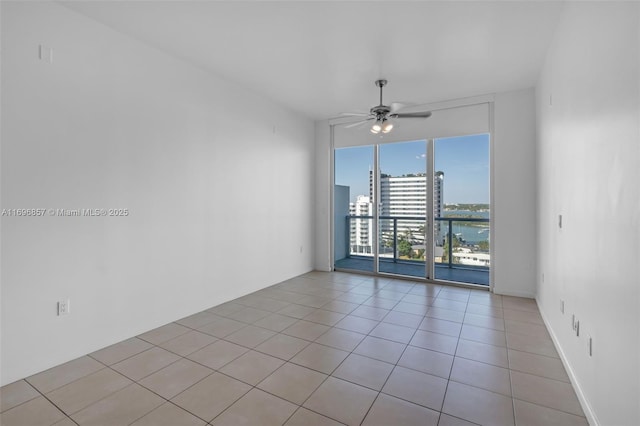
x,y
387,239
407,235
404,248
455,242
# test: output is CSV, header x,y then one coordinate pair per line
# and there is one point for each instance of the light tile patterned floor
x,y
319,349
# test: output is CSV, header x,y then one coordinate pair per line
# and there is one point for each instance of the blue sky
x,y
464,161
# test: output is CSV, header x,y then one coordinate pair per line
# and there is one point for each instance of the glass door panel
x,y
353,209
402,185
461,189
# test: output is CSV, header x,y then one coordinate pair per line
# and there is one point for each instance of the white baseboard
x,y
502,292
584,402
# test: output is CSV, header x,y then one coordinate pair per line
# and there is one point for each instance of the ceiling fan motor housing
x,y
380,111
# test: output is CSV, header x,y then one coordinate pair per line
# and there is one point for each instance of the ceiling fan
x,y
382,113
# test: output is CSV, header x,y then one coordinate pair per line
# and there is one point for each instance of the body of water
x,y
471,234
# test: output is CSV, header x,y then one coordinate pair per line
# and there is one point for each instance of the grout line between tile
x,y
333,293
47,398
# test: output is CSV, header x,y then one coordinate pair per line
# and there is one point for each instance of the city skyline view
x,y
463,160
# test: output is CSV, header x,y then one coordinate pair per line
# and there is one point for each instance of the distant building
x,y
361,240
406,196
400,197
438,194
467,257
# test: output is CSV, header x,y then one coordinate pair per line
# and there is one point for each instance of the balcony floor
x,y
415,269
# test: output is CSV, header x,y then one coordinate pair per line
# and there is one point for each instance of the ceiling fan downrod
x,y
381,83
380,111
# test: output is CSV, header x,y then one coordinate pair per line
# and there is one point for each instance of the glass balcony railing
x,y
461,247
462,242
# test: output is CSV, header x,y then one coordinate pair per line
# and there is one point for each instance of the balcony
x,y
461,256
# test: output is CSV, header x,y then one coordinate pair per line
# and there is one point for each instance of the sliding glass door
x,y
418,209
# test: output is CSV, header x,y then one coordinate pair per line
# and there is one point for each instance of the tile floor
x,y
319,349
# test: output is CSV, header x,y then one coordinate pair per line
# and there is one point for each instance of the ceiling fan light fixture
x,y
383,126
382,113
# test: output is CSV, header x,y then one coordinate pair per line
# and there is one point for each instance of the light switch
x,y
45,54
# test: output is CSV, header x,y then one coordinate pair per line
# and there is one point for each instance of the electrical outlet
x,y
64,307
575,323
560,221
589,345
562,306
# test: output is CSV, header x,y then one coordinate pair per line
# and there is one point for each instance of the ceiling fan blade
x,y
419,114
357,123
397,106
354,114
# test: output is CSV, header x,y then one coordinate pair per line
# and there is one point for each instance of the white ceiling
x,y
321,58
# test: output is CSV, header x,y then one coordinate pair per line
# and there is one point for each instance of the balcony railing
x,y
467,253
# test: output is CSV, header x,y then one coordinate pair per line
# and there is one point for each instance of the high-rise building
x,y
361,240
406,197
401,197
437,194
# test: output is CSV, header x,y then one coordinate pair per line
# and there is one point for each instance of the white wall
x,y
324,181
513,193
588,162
512,187
219,183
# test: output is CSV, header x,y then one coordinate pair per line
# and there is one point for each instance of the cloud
x,y
421,156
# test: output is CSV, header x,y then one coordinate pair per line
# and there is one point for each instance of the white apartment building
x,y
406,196
401,197
360,229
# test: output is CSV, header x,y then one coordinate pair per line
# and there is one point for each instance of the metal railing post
x,y
450,254
395,240
348,254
